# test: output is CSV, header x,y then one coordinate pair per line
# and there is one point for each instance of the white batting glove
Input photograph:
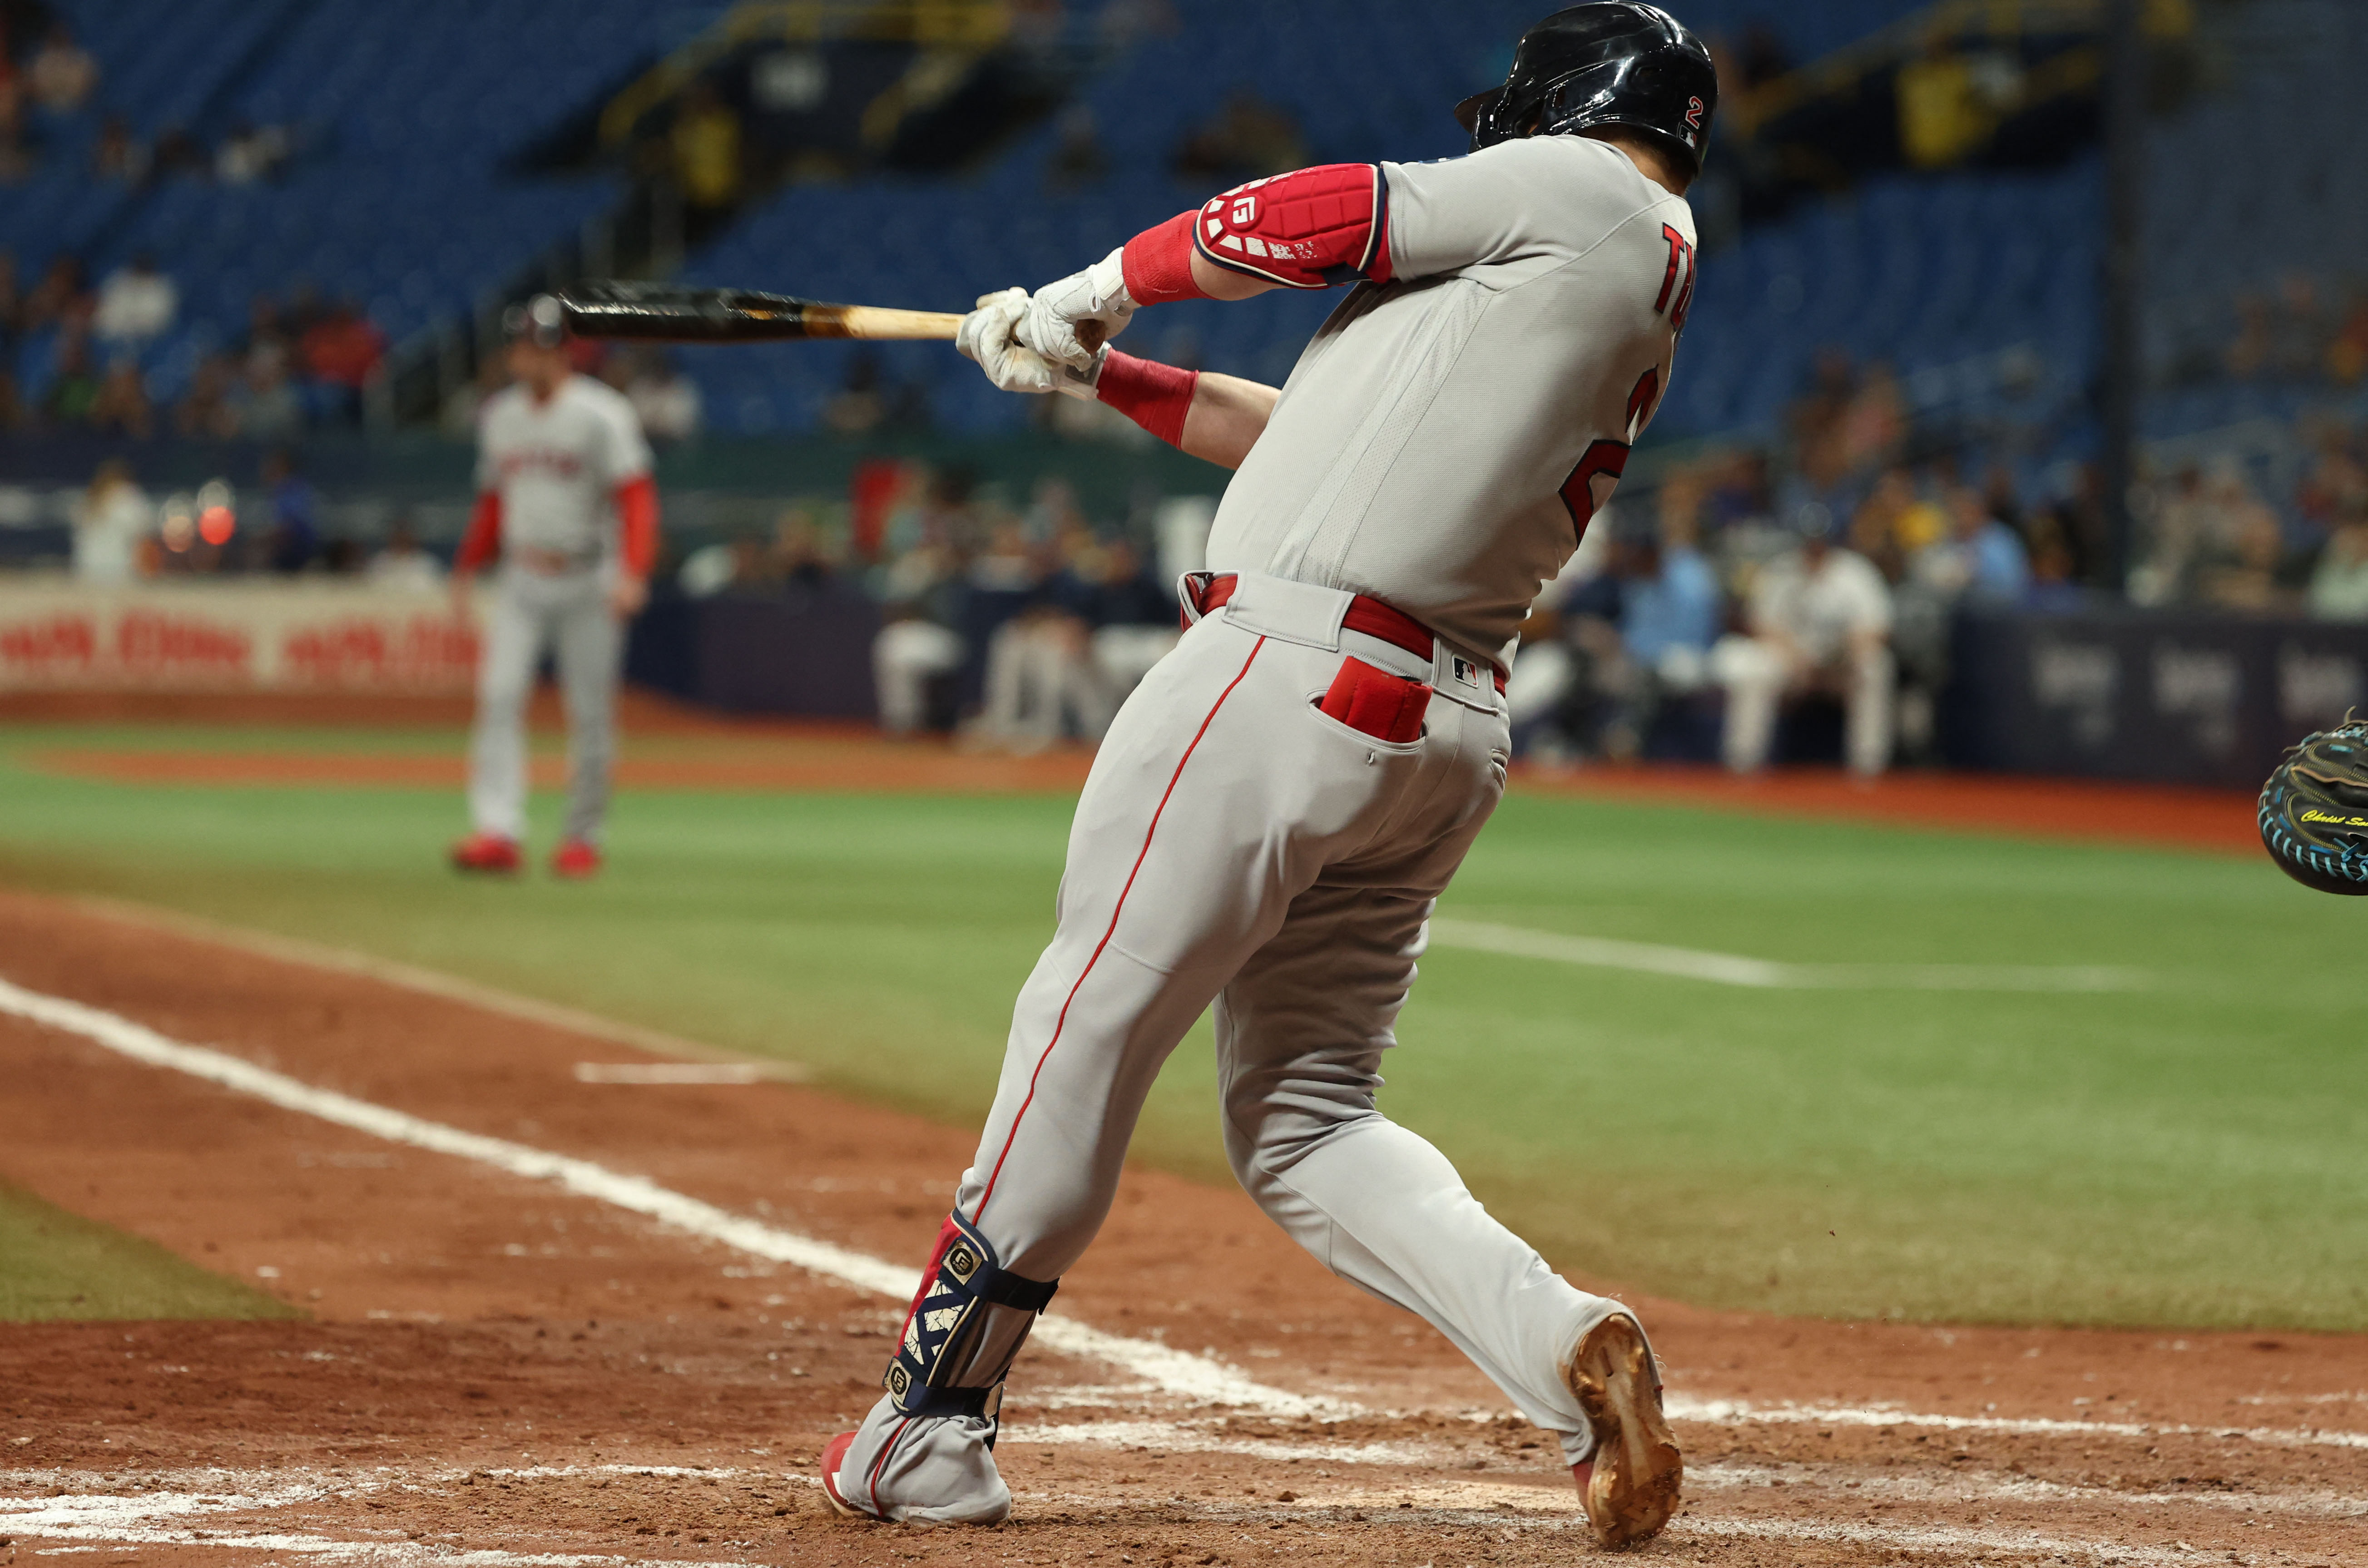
x,y
988,334
1068,322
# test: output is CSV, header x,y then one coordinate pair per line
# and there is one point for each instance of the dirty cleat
x,y
1630,1486
575,859
834,1454
485,852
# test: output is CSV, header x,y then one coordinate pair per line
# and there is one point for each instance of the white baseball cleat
x,y
1629,1487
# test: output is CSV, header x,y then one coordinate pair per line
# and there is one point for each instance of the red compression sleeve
x,y
1155,396
1158,263
484,540
637,515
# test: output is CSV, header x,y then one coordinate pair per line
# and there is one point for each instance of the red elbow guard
x,y
1309,229
1155,396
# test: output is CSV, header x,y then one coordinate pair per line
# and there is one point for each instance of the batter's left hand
x,y
1070,320
989,335
628,595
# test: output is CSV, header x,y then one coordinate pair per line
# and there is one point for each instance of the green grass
x,y
54,1265
2192,1154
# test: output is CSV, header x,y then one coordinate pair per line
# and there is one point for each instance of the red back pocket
x,y
1377,703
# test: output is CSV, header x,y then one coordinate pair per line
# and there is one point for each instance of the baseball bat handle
x,y
880,322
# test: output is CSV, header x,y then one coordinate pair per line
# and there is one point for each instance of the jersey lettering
x,y
1590,484
1642,401
1681,260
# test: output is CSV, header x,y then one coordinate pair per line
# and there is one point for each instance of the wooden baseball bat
x,y
669,312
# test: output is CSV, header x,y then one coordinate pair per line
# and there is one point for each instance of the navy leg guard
x,y
966,1326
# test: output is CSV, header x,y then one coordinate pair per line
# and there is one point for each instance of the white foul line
x,y
1177,1373
1198,1379
1733,969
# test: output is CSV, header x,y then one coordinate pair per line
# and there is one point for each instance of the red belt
x,y
1366,614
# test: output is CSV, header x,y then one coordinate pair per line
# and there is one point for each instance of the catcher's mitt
x,y
2315,811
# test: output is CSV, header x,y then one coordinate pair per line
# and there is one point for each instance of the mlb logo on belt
x,y
1464,670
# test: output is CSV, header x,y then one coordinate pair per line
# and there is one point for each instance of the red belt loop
x,y
1366,614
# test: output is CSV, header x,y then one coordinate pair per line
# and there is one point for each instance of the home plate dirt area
x,y
563,1322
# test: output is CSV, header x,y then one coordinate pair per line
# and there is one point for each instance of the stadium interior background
x,y
252,258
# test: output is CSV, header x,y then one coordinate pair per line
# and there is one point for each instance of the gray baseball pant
x,y
569,612
1235,844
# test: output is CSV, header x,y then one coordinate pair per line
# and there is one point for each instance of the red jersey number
x,y
1678,282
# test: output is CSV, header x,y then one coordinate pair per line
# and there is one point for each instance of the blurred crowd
x,y
1829,572
300,363
46,77
122,533
2305,330
1020,625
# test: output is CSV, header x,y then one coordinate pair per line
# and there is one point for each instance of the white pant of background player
x,y
1235,844
567,613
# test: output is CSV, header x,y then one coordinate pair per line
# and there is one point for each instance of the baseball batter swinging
x,y
1279,803
566,503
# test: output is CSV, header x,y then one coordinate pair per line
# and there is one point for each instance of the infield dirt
x,y
497,1371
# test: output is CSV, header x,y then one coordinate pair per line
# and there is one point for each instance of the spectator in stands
x,y
667,399
1249,138
2242,565
13,415
706,148
1077,158
209,410
2339,586
1981,559
340,352
859,406
75,386
293,535
804,554
178,152
135,303
270,410
401,566
2300,332
16,158
118,154
251,154
2346,355
1669,620
121,406
110,520
60,298
1134,616
12,299
1816,420
1819,620
62,74
1040,679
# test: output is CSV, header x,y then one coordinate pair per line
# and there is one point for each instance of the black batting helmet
x,y
1612,63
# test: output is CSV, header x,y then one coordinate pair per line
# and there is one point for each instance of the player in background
x,y
566,503
1279,803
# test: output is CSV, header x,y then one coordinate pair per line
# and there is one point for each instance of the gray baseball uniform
x,y
1439,447
555,466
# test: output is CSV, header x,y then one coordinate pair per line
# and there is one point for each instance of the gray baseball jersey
x,y
1444,438
557,465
